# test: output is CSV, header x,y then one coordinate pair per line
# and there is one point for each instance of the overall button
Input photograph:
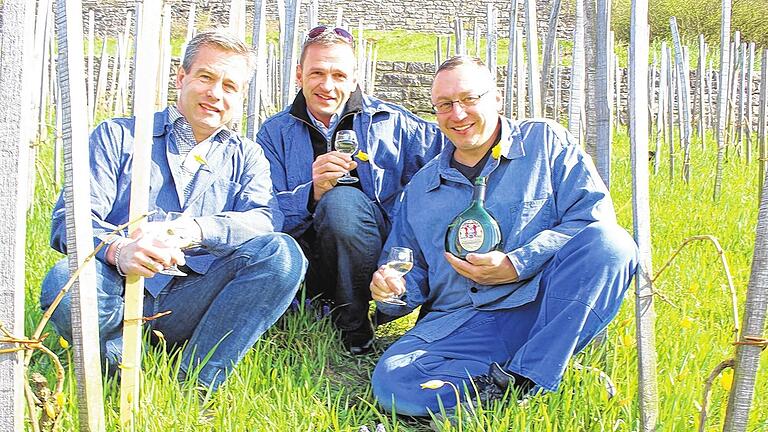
x,y
473,289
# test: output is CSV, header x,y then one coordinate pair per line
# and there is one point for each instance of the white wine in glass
x,y
346,142
400,259
171,238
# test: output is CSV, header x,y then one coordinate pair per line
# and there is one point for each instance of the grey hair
x,y
327,39
221,39
461,60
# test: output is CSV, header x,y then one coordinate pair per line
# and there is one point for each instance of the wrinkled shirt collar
x,y
182,130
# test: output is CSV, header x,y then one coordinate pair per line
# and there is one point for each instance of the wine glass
x,y
346,142
171,237
400,259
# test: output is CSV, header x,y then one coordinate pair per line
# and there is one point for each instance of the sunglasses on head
x,y
320,30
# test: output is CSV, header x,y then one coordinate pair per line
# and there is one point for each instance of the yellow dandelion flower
x,y
627,340
694,288
63,342
60,400
686,322
496,152
726,379
432,384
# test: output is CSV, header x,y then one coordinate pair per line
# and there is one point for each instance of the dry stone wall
x,y
430,16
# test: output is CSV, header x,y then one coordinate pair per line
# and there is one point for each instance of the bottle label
x,y
471,235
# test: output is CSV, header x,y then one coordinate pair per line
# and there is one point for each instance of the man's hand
x,y
492,268
386,283
326,169
144,254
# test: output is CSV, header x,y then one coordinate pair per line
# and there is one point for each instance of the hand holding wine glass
x,y
400,261
346,142
173,232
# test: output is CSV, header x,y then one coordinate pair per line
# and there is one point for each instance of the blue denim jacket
x,y
396,141
542,190
230,196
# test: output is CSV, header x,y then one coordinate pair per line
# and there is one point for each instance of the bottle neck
x,y
478,196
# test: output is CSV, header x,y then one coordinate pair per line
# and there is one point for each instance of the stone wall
x,y
409,84
429,16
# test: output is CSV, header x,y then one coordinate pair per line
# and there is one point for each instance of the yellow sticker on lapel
x,y
201,160
496,152
363,156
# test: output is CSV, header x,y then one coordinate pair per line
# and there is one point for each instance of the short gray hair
x,y
221,39
461,60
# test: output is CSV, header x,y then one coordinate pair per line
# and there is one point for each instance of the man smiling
x,y
513,317
341,228
238,275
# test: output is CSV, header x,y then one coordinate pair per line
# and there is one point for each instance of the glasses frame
x,y
320,30
466,101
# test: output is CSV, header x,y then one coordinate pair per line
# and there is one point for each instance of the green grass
x,y
297,377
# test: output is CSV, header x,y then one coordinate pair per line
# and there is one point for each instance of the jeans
x,y
223,311
343,249
581,290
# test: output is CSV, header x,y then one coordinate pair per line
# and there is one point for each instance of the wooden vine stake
x,y
237,18
77,196
685,111
751,342
532,50
511,63
491,40
144,100
722,93
761,122
645,315
291,41
578,72
15,39
602,100
701,125
257,87
549,53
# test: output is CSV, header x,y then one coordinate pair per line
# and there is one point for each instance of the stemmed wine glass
x,y
400,259
346,142
169,235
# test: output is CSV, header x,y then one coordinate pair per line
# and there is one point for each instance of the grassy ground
x,y
298,377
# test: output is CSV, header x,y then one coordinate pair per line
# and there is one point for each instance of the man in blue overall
x,y
241,275
341,228
512,317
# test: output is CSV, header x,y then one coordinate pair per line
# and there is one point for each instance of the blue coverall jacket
x,y
397,143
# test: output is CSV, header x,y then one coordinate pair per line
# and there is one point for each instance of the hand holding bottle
x,y
492,268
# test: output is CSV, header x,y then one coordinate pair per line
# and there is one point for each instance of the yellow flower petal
x,y
433,384
63,342
686,322
60,400
496,152
50,411
201,160
726,379
627,340
363,156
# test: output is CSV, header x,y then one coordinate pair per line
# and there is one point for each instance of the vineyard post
x,y
15,39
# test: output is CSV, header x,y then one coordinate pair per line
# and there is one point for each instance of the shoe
x,y
487,389
358,341
495,384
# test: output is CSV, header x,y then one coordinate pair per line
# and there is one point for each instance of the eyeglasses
x,y
468,100
318,31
